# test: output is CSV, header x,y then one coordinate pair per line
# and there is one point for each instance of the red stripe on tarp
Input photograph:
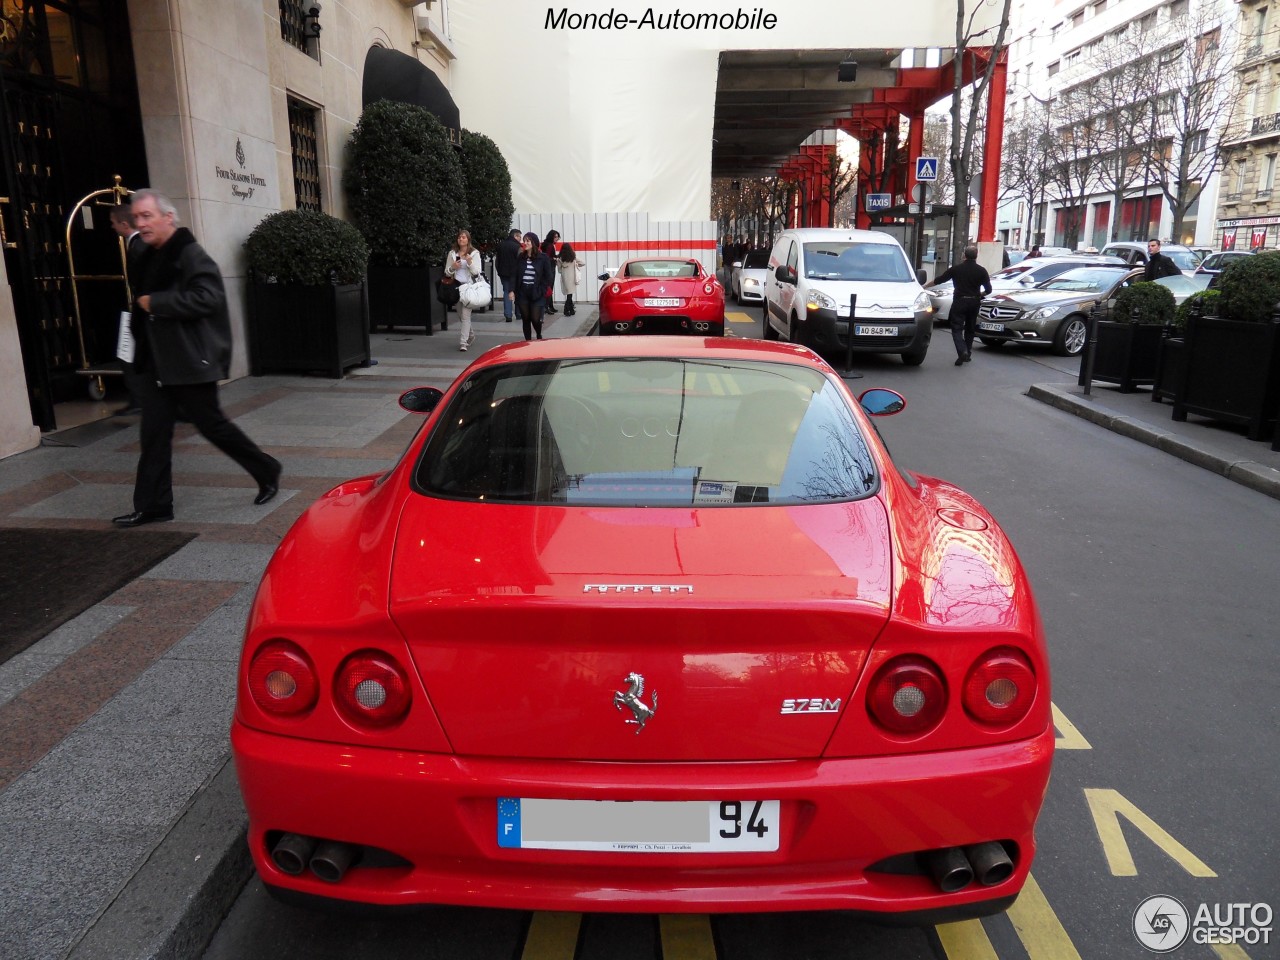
x,y
649,245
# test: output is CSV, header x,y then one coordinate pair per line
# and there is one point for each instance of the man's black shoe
x,y
139,517
959,360
968,357
267,491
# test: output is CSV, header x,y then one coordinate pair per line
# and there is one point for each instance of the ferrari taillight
x,y
281,679
371,689
707,288
1000,687
908,695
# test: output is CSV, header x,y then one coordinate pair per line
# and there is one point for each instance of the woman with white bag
x,y
463,264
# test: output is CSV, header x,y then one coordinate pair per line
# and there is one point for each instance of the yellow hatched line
x,y
966,940
686,936
552,936
1038,926
1071,738
735,316
1230,951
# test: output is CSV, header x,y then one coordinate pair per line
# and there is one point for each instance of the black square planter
x,y
1170,360
1125,353
307,328
1232,374
404,297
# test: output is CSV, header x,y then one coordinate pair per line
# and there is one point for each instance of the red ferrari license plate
x,y
640,826
661,302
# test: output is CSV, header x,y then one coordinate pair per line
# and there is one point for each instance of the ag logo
x,y
1161,924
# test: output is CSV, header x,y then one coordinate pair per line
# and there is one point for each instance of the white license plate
x,y
992,327
862,330
661,302
639,826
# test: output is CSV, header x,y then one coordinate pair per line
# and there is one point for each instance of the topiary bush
x,y
1251,287
1148,303
307,247
1203,303
488,189
405,185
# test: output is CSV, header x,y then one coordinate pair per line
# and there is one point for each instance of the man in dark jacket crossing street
x,y
505,267
183,337
971,283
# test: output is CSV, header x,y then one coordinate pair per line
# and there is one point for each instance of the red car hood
x,y
526,622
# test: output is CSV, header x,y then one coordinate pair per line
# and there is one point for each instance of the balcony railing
x,y
1263,194
1265,124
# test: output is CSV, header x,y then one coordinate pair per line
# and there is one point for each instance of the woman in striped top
x,y
534,273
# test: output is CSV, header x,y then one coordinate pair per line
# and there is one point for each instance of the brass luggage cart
x,y
96,372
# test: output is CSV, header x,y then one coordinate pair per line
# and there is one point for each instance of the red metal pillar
x,y
991,149
862,219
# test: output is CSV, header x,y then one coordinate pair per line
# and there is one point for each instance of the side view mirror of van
x,y
921,276
784,274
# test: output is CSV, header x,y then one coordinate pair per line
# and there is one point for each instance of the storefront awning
x,y
392,75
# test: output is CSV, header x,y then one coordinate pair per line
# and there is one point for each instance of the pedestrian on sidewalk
x,y
971,283
534,275
505,267
463,264
1158,264
183,348
549,248
569,266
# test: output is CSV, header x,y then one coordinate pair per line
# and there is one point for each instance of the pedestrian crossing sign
x,y
926,168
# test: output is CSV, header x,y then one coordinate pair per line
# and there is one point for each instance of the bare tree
x,y
937,132
964,129
839,178
1073,161
1196,107
1025,160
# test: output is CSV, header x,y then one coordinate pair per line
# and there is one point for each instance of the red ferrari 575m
x,y
664,295
648,625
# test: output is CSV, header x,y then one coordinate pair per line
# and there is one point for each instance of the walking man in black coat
x,y
1158,264
183,336
971,283
505,267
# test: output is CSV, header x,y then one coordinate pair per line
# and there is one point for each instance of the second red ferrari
x,y
665,295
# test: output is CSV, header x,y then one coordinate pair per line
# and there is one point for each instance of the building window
x,y
296,29
1239,177
305,143
1053,69
1268,178
1177,9
1198,140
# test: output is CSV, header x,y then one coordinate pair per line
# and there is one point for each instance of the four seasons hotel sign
x,y
242,184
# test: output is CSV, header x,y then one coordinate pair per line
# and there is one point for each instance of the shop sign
x,y
243,184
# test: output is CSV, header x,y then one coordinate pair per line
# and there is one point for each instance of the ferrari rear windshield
x,y
647,432
852,260
662,268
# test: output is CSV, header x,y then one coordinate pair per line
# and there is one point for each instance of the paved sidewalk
x,y
123,821
124,826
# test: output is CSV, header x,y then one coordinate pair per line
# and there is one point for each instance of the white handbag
x,y
475,294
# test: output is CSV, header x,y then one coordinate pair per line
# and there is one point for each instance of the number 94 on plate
x,y
639,826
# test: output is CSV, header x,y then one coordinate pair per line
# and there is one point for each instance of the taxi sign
x,y
926,168
879,201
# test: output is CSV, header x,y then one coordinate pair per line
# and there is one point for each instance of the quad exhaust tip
x,y
328,860
954,868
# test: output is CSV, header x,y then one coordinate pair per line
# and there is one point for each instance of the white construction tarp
x,y
599,114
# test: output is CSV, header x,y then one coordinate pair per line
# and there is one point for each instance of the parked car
x,y
1026,273
649,625
1015,255
1215,263
814,272
1135,253
748,276
663,295
1057,252
1056,312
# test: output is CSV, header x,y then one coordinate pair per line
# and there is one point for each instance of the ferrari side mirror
x,y
421,399
879,402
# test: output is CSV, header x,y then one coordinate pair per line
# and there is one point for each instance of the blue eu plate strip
x,y
508,822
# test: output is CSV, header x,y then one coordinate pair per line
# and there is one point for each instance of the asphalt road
x,y
1159,585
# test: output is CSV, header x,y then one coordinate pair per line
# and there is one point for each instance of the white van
x,y
814,272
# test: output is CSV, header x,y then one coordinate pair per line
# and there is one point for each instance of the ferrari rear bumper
x,y
850,830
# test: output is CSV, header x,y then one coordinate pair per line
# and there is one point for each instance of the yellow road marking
x,y
686,936
1069,737
1038,926
1230,951
1107,807
966,940
734,316
552,936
